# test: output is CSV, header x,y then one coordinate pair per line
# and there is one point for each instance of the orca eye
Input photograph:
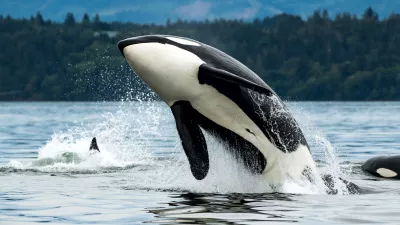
x,y
183,41
248,130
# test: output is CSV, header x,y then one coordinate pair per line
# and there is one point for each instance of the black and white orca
x,y
383,166
206,88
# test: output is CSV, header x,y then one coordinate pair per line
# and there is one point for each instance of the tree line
x,y
323,57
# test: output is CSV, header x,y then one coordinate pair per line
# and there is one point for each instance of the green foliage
x,y
69,20
85,19
345,58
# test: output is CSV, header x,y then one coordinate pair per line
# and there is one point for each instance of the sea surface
x,y
142,176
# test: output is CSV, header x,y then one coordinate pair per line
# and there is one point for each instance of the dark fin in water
x,y
330,183
93,145
192,138
209,74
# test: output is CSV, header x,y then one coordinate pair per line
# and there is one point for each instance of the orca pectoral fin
x,y
93,145
192,138
208,75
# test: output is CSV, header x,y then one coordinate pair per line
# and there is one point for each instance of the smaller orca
x,y
94,146
383,166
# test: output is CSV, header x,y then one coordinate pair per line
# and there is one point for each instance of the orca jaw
x,y
171,72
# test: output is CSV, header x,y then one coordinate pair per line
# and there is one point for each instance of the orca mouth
x,y
139,40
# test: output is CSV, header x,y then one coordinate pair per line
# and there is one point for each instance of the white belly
x,y
223,111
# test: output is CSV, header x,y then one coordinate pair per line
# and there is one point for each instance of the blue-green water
x,y
142,176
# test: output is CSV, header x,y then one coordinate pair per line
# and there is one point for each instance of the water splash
x,y
323,151
140,138
123,137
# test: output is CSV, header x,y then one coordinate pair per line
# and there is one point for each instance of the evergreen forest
x,y
322,57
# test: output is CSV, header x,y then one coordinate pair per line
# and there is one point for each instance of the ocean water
x,y
142,175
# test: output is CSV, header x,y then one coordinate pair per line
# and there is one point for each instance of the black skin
x,y
286,134
193,141
188,123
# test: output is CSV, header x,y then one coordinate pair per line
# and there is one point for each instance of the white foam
x,y
139,131
322,150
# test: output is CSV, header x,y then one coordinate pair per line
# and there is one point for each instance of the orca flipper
x,y
208,75
94,146
192,138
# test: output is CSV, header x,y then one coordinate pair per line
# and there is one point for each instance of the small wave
x,y
63,168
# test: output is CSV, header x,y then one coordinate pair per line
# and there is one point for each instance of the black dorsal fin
x,y
93,145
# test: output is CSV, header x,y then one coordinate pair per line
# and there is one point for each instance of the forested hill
x,y
325,57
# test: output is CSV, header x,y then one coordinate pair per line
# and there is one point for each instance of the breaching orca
x,y
206,88
383,166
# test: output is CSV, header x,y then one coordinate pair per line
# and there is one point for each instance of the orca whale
x,y
208,90
383,166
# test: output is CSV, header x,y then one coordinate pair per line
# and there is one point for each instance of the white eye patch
x,y
183,41
386,172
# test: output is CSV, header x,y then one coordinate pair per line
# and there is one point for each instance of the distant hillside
x,y
345,58
158,11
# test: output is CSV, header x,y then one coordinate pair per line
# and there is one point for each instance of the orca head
x,y
164,65
383,166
